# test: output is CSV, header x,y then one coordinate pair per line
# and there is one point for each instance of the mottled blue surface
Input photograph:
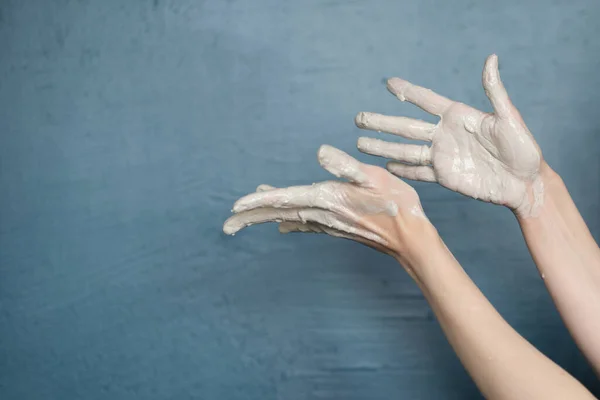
x,y
128,129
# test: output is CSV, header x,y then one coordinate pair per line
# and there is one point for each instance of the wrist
x,y
418,239
538,193
549,177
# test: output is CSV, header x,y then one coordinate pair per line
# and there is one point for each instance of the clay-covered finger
x,y
412,172
332,225
325,218
312,227
406,127
494,88
289,226
422,97
259,216
408,153
342,165
319,195
292,226
269,214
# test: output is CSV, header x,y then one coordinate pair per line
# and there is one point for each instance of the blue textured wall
x,y
128,129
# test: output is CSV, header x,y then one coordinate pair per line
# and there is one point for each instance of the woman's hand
x,y
491,157
374,208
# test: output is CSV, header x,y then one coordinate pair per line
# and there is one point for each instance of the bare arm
x,y
568,260
379,210
500,361
493,157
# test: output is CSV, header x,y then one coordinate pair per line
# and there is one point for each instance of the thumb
x,y
342,165
494,88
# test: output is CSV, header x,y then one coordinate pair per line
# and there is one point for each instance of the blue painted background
x,y
128,129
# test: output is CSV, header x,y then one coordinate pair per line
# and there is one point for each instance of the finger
x,y
342,165
264,188
424,98
301,215
318,195
408,153
310,227
415,173
288,226
406,127
494,88
259,216
339,229
285,227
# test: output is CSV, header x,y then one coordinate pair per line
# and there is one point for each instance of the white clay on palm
x,y
491,157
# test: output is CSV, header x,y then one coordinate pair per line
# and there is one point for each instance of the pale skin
x,y
488,156
377,209
493,157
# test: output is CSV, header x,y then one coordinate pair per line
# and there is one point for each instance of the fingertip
x,y
363,143
396,86
394,82
492,58
264,188
322,153
230,227
239,206
393,166
324,149
360,143
341,164
360,120
327,154
491,75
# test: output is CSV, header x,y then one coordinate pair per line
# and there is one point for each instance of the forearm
x,y
568,260
500,361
